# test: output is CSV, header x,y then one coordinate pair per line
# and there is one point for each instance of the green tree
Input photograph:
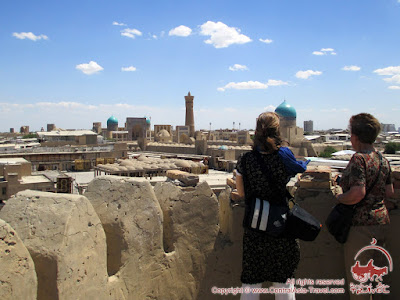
x,y
30,136
327,152
391,148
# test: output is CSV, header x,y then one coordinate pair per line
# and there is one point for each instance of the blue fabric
x,y
292,165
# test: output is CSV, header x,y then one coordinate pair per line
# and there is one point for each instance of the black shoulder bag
x,y
340,218
261,215
277,219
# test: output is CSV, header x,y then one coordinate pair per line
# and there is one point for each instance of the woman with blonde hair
x,y
265,257
366,183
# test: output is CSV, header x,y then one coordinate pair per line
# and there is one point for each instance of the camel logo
x,y
370,272
364,273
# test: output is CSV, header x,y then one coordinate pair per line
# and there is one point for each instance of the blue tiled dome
x,y
286,110
112,120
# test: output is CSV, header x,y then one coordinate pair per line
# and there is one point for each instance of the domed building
x,y
291,133
112,124
163,136
148,121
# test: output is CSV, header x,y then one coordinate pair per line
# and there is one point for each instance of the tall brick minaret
x,y
189,121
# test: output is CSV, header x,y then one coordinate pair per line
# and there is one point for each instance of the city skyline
x,y
80,62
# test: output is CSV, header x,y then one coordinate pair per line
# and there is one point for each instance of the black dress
x,y
266,258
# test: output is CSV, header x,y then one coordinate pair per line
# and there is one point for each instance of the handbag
x,y
301,224
262,216
339,221
278,220
340,218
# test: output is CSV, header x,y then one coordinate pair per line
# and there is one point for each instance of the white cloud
x,y
245,85
180,31
392,71
251,85
128,69
221,35
118,24
237,67
307,74
90,68
130,33
394,87
30,36
266,41
269,108
394,79
273,82
325,51
351,68
388,71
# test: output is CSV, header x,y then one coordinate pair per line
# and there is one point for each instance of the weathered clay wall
x,y
127,240
116,245
158,240
66,241
17,271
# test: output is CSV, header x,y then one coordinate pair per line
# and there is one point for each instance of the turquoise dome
x,y
147,120
286,110
112,120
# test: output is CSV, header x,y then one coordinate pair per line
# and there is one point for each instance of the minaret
x,y
189,121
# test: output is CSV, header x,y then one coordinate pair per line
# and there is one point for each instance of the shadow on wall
x,y
46,266
116,245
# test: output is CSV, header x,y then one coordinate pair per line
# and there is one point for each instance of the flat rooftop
x,y
34,179
13,161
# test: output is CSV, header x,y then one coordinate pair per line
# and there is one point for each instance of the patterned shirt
x,y
362,170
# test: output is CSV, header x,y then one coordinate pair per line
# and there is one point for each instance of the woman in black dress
x,y
267,258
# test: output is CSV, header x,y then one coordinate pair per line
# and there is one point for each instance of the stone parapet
x,y
17,272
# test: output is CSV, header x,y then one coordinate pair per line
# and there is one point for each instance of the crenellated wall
x,y
128,240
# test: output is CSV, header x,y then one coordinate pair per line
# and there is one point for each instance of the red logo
x,y
370,272
364,273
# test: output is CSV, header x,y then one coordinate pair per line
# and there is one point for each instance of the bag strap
x,y
266,171
376,179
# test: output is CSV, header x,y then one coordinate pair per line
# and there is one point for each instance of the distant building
x,y
291,133
51,127
309,126
163,133
15,176
388,127
189,119
112,124
243,138
97,127
24,130
138,128
67,137
182,134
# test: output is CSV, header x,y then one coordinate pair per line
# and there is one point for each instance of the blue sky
x,y
73,63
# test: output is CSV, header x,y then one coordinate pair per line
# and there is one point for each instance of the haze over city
x,y
78,62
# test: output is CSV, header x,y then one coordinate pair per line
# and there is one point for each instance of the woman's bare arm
x,y
352,196
239,193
